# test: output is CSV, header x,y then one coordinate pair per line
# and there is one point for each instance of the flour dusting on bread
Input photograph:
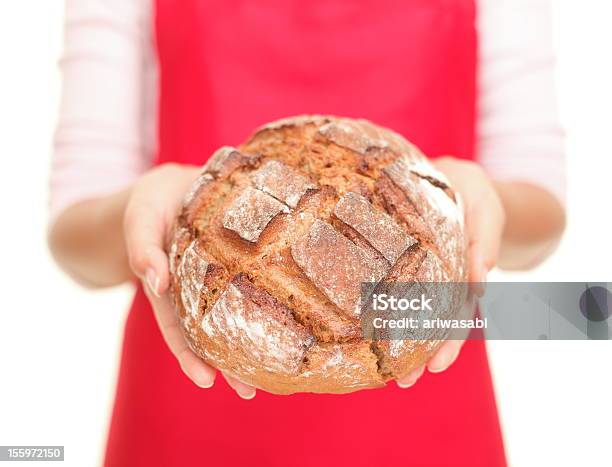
x,y
276,237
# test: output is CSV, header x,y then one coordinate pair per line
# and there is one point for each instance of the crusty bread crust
x,y
275,237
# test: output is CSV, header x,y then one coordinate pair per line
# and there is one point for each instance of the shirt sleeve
x,y
100,143
519,134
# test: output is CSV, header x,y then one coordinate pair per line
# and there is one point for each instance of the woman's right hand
x,y
153,203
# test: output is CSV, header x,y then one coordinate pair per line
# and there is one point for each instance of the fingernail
x,y
152,281
405,385
443,363
411,378
437,368
204,379
206,384
248,395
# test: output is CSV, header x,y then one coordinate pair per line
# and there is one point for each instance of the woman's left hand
x,y
484,226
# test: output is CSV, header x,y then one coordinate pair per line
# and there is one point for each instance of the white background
x,y
59,344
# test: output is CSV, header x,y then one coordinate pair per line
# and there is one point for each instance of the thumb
x,y
485,227
145,228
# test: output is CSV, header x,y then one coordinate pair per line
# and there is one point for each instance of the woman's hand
x,y
484,226
149,214
89,243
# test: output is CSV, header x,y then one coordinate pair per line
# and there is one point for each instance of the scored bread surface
x,y
275,238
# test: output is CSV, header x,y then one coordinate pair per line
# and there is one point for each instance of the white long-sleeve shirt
x,y
106,132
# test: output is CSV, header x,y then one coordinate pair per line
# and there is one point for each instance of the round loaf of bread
x,y
275,238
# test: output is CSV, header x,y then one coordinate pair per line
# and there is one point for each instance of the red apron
x,y
228,67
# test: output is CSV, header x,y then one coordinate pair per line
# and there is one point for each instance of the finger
x,y
144,236
445,356
477,276
485,228
243,390
199,372
411,378
485,224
